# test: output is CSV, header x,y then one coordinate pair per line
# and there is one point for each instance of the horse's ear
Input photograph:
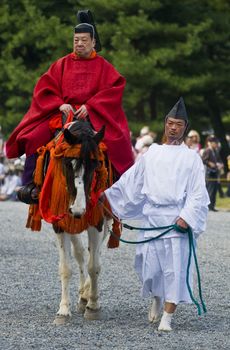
x,y
99,135
68,136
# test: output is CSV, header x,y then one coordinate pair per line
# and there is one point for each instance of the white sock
x,y
165,324
155,310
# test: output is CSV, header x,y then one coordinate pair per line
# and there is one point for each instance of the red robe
x,y
93,82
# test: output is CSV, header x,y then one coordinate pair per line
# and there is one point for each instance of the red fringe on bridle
x,y
54,198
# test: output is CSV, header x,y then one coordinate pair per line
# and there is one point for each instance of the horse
x,y
85,172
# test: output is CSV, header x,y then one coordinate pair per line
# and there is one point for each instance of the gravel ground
x,y
30,292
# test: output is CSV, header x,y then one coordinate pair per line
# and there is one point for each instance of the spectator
x,y
188,141
228,177
139,143
147,141
133,142
221,173
213,163
228,139
12,183
194,140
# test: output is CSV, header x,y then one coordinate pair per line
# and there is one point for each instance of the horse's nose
x,y
75,215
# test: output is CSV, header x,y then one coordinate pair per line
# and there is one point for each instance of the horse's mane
x,y
81,132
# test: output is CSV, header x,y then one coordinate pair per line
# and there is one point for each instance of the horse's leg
x,y
95,238
65,272
80,255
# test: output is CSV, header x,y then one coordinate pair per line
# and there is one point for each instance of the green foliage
x,y
162,48
165,49
30,40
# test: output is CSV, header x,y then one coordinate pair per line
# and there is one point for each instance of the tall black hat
x,y
178,111
85,17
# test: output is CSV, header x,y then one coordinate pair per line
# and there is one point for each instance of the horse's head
x,y
79,170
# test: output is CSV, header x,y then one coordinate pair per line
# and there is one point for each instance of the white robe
x,y
167,182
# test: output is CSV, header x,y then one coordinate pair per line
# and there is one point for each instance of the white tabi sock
x,y
155,310
165,324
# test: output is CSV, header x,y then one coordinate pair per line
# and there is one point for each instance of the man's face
x,y
174,129
83,44
194,139
214,144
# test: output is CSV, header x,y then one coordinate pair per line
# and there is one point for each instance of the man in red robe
x,y
85,83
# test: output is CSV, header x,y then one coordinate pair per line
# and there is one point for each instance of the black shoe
x,y
213,209
28,194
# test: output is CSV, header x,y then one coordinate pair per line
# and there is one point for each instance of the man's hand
x,y
220,166
180,222
81,113
211,165
66,108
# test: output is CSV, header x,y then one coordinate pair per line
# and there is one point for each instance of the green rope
x,y
198,275
191,251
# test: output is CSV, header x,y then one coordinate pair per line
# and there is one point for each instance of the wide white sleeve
x,y
125,197
195,209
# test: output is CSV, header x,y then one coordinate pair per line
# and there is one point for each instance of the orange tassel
x,y
58,202
34,218
113,241
38,174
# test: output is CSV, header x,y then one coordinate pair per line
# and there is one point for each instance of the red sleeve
x,y
47,96
46,100
105,108
106,105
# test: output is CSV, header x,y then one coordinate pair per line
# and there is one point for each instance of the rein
x,y
191,251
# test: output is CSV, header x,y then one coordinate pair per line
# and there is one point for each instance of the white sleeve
x,y
195,209
125,197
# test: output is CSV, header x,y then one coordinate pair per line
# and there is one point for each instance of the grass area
x,y
223,203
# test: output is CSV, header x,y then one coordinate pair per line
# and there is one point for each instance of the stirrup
x,y
25,194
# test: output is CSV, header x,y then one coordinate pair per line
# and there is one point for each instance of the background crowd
x,y
215,171
10,174
216,174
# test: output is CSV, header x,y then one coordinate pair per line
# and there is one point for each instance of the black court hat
x,y
85,28
178,111
85,17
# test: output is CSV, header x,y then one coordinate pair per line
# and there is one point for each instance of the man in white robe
x,y
166,186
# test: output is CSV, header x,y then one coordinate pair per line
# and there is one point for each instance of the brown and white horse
x,y
84,174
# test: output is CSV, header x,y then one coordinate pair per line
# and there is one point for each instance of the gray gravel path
x,y
30,292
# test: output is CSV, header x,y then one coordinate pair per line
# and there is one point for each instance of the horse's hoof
x,y
81,306
91,314
61,320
